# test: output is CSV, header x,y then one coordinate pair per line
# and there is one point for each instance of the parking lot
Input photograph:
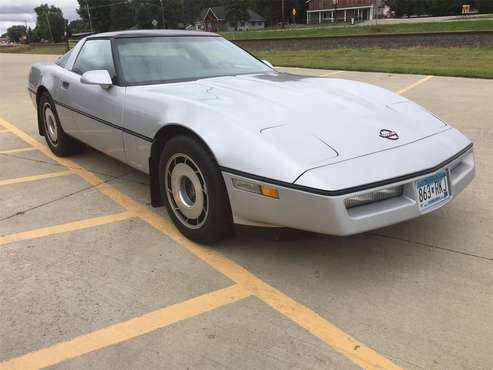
x,y
91,276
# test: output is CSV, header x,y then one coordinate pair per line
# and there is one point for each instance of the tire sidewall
x,y
60,147
218,224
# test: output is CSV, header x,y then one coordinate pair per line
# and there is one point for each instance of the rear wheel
x,y
59,142
194,192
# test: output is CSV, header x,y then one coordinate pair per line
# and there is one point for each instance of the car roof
x,y
151,33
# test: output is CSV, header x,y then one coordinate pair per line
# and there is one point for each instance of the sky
x,y
22,11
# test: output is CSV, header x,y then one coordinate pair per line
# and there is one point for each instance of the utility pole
x,y
283,14
162,12
27,32
376,11
49,26
89,15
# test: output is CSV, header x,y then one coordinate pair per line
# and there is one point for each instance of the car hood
x,y
346,116
307,122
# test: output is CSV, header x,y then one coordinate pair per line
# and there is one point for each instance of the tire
x,y
59,142
193,190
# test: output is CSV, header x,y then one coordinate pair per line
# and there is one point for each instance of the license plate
x,y
432,190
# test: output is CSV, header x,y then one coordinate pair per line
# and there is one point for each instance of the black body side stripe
x,y
347,190
130,132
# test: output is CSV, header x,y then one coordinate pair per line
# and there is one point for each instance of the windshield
x,y
167,59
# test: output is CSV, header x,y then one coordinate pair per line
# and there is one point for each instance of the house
x,y
320,11
214,20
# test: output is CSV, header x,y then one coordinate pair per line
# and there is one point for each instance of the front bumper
x,y
304,210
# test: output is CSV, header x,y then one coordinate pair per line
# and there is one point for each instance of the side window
x,y
62,61
95,54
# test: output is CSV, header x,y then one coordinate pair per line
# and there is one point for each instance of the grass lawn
x,y
347,30
456,61
441,61
56,50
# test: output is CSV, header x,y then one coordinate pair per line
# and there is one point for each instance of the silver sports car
x,y
227,139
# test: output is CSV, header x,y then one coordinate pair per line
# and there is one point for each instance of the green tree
x,y
236,11
174,12
430,7
95,12
77,26
50,24
145,11
272,10
191,10
438,8
16,32
485,6
402,7
120,15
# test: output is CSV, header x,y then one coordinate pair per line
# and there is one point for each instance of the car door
x,y
97,111
61,95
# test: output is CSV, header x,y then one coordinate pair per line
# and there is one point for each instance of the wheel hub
x,y
186,191
50,124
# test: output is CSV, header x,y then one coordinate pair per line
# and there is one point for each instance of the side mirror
x,y
99,77
267,63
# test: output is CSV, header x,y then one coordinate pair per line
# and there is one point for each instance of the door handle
x,y
65,84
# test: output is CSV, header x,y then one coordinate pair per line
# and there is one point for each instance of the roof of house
x,y
220,13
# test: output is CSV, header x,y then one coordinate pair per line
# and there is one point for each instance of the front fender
x,y
232,141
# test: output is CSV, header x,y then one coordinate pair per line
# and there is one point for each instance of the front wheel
x,y
194,192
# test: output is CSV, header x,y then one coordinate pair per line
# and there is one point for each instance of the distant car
x,y
227,139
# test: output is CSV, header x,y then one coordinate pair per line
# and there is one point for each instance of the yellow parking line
x,y
18,180
417,83
63,228
126,330
331,73
342,342
20,150
356,351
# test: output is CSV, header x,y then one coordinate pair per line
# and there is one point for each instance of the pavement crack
x,y
24,211
427,245
11,155
398,359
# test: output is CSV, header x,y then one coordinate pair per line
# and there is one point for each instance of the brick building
x,y
321,11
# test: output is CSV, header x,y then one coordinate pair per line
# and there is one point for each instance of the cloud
x,y
11,12
18,17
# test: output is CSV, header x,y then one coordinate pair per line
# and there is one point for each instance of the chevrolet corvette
x,y
226,139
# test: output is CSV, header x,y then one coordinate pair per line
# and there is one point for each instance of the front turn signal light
x,y
252,187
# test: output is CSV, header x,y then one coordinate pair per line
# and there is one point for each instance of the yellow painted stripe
x,y
126,330
356,351
58,229
342,342
331,73
18,180
20,150
412,86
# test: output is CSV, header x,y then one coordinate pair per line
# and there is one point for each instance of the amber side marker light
x,y
269,192
251,187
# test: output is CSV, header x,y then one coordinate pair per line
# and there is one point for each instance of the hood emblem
x,y
389,134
